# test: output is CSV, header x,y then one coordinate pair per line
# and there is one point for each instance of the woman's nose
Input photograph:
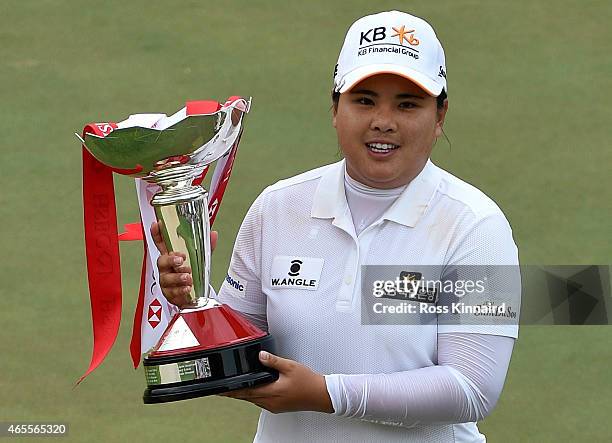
x,y
383,120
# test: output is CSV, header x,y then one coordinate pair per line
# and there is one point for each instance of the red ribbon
x,y
136,327
133,231
102,249
217,195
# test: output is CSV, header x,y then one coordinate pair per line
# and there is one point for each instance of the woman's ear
x,y
441,115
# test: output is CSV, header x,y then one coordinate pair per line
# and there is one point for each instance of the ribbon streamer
x,y
102,249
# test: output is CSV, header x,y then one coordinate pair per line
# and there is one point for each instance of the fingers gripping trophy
x,y
207,347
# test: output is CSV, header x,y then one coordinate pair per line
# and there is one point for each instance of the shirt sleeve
x,y
259,320
463,387
482,270
241,289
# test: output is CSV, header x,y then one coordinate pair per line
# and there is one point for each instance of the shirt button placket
x,y
345,294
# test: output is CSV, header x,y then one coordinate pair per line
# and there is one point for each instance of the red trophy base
x,y
206,351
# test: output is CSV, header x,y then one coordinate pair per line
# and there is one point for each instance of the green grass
x,y
529,87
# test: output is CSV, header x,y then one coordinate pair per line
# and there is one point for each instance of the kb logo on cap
x,y
380,33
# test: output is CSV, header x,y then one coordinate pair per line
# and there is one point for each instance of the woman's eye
x,y
364,101
407,105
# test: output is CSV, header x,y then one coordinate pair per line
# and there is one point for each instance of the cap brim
x,y
355,76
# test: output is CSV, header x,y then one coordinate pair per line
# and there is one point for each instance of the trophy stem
x,y
184,224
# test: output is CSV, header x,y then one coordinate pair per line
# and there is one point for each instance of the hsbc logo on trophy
x,y
154,313
382,39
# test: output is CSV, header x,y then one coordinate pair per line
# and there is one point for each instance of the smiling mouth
x,y
381,148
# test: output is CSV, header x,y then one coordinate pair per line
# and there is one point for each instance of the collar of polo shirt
x,y
330,199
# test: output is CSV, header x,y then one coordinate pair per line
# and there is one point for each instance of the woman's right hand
x,y
174,277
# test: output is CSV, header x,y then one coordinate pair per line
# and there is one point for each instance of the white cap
x,y
391,42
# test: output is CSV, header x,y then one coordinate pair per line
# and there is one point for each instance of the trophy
x,y
207,348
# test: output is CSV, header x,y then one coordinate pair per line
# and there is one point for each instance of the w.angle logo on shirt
x,y
296,272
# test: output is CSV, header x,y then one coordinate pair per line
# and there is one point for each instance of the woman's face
x,y
386,128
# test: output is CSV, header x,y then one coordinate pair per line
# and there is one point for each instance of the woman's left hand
x,y
298,388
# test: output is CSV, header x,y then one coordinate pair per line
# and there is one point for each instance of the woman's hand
x,y
175,278
298,388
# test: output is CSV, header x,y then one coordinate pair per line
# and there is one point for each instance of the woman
x,y
384,204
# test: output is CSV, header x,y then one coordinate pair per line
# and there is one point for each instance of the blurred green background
x,y
529,119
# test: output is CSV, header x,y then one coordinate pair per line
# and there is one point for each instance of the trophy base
x,y
213,371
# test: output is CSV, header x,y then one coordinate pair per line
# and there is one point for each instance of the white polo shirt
x,y
297,260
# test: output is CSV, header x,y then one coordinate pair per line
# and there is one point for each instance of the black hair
x,y
440,99
335,99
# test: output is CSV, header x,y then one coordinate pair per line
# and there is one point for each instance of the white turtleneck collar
x,y
367,204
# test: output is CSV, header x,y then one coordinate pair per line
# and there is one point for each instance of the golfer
x,y
298,259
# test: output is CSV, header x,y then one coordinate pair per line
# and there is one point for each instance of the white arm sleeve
x,y
463,387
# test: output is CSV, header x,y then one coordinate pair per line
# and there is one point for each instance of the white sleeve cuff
x,y
333,389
